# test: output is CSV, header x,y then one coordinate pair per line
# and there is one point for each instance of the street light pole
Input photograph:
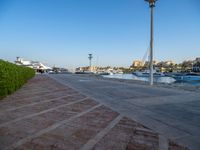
x,y
151,5
90,61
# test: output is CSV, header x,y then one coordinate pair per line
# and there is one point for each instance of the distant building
x,y
197,59
169,62
196,69
36,65
166,63
196,65
147,63
137,63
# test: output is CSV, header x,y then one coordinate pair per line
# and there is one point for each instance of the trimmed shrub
x,y
12,77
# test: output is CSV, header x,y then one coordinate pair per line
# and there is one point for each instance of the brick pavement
x,y
45,115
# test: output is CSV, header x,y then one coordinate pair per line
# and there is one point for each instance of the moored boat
x,y
187,77
104,73
146,73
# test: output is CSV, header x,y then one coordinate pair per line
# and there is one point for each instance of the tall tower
x,y
90,61
151,5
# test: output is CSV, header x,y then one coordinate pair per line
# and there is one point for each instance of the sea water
x,y
169,80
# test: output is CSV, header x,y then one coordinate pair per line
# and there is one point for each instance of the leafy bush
x,y
12,77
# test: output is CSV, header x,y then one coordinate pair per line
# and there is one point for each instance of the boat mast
x,y
151,5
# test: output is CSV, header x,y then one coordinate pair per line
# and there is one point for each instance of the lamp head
x,y
151,2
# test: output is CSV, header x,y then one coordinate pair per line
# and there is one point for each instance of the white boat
x,y
188,77
146,73
105,73
84,72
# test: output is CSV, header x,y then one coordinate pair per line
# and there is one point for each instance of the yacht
x,y
104,73
146,73
187,77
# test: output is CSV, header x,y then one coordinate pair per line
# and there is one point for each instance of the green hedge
x,y
12,77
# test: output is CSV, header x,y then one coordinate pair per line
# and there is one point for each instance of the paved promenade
x,y
45,114
172,112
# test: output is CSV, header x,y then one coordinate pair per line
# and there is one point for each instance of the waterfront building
x,y
169,62
166,63
147,63
196,65
137,63
197,59
196,68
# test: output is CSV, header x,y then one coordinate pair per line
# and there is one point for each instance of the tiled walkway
x,y
45,115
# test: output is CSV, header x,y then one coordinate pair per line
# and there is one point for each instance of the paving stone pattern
x,y
45,115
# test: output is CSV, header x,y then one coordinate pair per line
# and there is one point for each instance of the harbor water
x,y
164,79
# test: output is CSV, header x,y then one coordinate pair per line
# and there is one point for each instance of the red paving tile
x,y
46,115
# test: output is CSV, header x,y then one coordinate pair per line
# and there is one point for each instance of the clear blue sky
x,y
116,32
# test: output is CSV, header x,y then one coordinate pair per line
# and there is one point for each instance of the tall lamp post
x,y
151,5
90,61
